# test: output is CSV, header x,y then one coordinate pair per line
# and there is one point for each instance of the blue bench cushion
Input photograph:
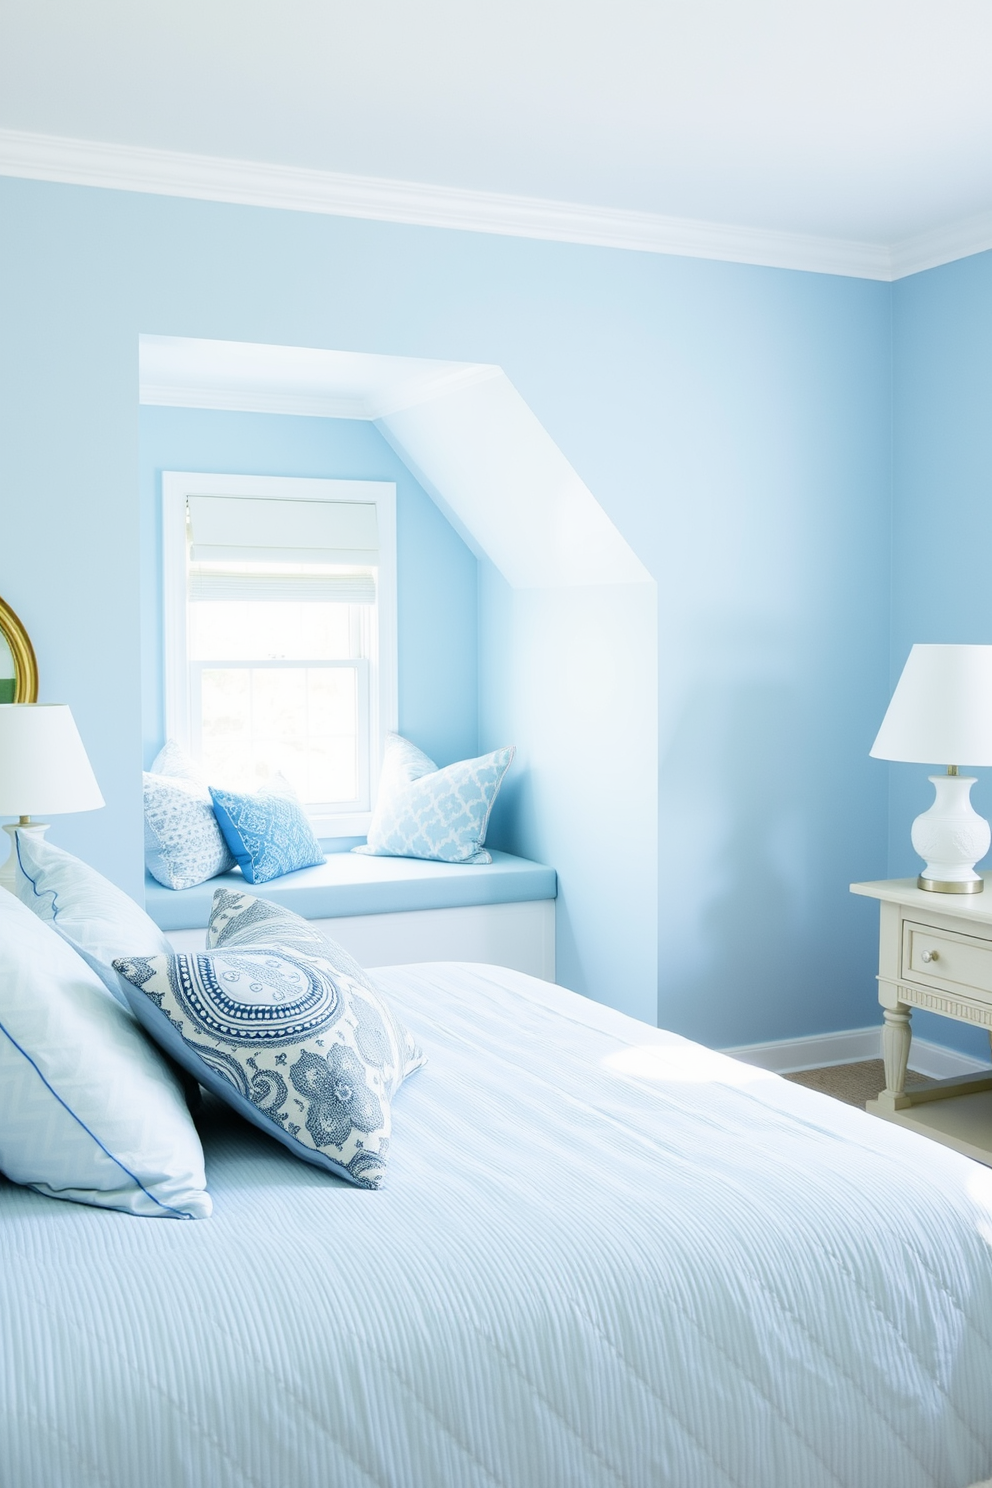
x,y
345,885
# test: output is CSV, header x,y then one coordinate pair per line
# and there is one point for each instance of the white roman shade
x,y
356,587
239,529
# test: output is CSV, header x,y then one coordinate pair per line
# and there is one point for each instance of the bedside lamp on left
x,y
43,770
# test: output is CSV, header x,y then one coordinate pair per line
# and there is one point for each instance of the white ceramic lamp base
x,y
8,868
952,837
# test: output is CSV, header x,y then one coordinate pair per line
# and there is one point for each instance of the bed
x,y
602,1256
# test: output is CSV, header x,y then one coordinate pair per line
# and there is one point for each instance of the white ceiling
x,y
461,427
868,120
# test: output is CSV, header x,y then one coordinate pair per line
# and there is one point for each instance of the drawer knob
x,y
929,956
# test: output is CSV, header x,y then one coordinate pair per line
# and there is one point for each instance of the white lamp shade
x,y
941,710
44,769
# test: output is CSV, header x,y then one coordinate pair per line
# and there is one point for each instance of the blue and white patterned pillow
x,y
424,812
184,845
267,831
295,1046
238,919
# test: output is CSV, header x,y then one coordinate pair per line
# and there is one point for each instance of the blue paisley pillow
x,y
267,831
238,919
298,1048
424,812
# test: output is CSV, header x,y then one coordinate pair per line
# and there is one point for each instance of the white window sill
x,y
340,823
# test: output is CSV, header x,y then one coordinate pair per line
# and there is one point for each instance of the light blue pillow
x,y
267,831
238,919
86,907
298,1048
184,845
424,812
173,760
89,1110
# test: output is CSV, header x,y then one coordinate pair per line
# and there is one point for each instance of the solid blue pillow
x,y
267,831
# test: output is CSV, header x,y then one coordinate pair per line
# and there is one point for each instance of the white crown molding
x,y
289,188
787,1056
943,245
43,157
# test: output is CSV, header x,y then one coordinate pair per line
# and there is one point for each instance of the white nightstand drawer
x,y
939,958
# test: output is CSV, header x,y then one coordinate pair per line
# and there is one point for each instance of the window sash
x,y
360,666
376,622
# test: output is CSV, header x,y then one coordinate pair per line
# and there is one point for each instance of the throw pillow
x,y
89,1111
82,904
424,812
184,845
292,1044
267,831
173,760
238,919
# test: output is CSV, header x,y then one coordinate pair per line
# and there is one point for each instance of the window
x,y
280,634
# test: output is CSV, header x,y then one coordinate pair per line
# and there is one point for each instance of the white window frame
x,y
383,688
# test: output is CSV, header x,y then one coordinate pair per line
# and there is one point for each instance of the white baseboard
x,y
931,1059
787,1056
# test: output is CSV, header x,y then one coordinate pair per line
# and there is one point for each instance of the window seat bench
x,y
387,911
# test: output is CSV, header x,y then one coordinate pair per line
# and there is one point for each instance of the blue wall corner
x,y
942,520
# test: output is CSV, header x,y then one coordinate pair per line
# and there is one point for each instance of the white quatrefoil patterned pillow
x,y
298,1048
424,812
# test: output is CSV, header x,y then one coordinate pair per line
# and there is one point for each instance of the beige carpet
x,y
853,1083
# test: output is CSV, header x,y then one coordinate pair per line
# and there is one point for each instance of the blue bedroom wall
x,y
436,572
738,433
733,422
571,676
942,527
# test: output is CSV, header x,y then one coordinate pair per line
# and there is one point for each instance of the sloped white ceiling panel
x,y
461,427
486,457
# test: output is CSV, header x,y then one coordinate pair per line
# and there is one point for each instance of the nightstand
x,y
934,952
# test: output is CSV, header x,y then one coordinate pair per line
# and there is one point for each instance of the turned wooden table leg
x,y
897,1035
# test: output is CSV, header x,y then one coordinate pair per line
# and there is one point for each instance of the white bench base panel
x,y
520,936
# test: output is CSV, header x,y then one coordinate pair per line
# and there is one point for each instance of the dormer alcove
x,y
524,615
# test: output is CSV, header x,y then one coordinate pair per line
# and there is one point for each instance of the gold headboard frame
x,y
21,649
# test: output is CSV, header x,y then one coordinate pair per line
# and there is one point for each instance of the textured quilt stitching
x,y
115,1345
522,1374
904,1341
665,1405
406,1385
92,1135
715,1342
827,1353
941,1286
290,1390
52,1429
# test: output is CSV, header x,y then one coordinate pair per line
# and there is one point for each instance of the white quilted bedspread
x,y
602,1258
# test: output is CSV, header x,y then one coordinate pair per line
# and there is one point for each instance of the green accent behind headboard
x,y
6,689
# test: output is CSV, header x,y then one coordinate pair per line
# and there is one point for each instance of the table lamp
x,y
43,768
940,711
